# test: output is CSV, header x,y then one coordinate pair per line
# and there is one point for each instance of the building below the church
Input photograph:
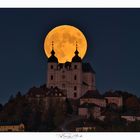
x,y
12,127
113,99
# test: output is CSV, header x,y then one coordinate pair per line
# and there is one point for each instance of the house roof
x,y
92,94
86,67
131,113
85,123
55,92
3,123
49,92
111,94
88,105
36,91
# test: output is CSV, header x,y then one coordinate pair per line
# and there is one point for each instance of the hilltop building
x,y
75,77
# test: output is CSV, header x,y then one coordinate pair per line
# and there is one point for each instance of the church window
x,y
51,77
51,66
75,94
75,77
75,87
75,66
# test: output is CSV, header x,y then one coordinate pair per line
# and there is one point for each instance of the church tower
x,y
52,66
77,74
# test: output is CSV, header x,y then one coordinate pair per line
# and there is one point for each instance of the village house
x,y
89,109
113,98
46,96
11,127
85,127
130,117
93,96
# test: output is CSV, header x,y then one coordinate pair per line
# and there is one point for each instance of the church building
x,y
75,77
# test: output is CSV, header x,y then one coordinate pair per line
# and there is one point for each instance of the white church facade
x,y
75,77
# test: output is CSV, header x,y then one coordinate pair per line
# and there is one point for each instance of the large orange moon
x,y
65,38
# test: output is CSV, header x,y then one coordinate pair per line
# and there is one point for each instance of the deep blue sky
x,y
113,46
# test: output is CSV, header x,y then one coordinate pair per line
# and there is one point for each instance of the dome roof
x,y
53,58
76,58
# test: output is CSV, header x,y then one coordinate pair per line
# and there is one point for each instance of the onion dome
x,y
76,58
53,58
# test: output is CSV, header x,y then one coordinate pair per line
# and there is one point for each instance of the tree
x,y
132,103
50,116
18,95
69,107
59,114
11,98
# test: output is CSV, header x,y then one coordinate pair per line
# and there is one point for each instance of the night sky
x,y
113,37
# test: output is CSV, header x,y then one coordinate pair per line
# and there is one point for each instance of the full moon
x,y
65,39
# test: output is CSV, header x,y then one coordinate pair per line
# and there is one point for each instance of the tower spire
x,y
52,58
52,52
76,52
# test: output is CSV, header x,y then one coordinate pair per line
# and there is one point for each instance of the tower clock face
x,y
65,38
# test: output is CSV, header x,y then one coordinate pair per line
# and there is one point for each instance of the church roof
x,y
86,67
92,94
53,58
76,58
